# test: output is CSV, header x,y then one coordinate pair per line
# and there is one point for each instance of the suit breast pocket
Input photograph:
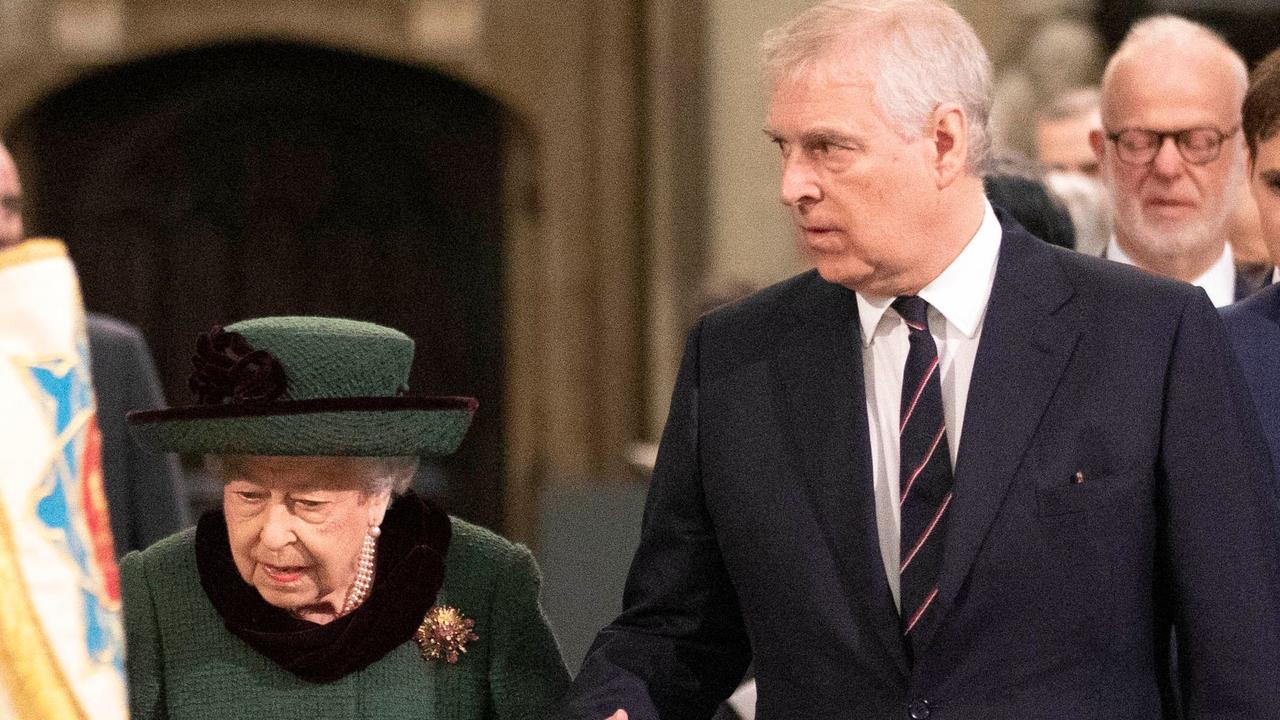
x,y
1082,494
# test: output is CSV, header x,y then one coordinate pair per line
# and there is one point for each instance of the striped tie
x,y
925,483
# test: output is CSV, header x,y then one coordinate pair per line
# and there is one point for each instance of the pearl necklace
x,y
359,589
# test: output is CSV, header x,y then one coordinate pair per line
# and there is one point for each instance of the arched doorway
x,y
262,178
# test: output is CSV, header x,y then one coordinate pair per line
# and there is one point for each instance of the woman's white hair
x,y
919,54
383,474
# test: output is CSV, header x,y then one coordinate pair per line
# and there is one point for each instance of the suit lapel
x,y
820,365
1027,338
1254,325
1272,313
1259,318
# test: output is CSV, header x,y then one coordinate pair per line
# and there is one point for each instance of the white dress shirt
x,y
957,303
1219,281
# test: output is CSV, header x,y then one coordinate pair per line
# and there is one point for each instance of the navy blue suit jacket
x,y
1056,599
1254,327
146,495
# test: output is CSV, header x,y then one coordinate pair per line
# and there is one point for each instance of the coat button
x,y
919,709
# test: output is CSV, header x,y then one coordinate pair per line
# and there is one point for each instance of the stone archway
x,y
257,178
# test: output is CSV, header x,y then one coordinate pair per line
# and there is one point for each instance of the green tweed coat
x,y
183,663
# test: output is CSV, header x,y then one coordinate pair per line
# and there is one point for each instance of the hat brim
x,y
363,427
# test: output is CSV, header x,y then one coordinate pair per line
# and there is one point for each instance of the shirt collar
x,y
960,292
1219,281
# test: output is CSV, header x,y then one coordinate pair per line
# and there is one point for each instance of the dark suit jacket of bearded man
x,y
1254,327
759,538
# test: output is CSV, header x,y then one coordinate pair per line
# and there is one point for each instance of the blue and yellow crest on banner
x,y
61,640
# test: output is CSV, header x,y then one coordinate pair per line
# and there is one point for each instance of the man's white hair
x,y
919,53
1172,31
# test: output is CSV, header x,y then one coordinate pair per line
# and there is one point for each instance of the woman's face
x,y
296,525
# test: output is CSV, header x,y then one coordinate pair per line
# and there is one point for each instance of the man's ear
x,y
1098,143
949,137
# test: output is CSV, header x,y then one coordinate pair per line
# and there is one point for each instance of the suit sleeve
x,y
142,642
157,491
679,647
1220,529
527,674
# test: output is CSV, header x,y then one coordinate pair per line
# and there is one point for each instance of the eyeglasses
x,y
1198,145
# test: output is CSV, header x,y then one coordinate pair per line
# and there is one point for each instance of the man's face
x,y
858,191
1063,145
10,202
1168,207
1264,183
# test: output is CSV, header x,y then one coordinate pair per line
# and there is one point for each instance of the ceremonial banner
x,y
61,641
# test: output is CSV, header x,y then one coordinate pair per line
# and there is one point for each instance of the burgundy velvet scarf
x,y
409,569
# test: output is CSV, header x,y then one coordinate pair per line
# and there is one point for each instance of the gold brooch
x,y
444,634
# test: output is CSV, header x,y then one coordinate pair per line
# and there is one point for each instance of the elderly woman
x,y
323,588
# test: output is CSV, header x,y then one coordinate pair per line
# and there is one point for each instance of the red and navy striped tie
x,y
925,483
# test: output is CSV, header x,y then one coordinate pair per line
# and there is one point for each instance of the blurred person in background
x,y
1015,184
1071,170
1058,49
1062,132
10,201
146,494
1086,201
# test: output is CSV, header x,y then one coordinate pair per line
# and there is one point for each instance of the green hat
x,y
305,386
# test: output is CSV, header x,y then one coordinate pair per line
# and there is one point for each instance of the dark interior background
x,y
1251,26
253,179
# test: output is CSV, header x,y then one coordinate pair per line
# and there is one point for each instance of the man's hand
x,y
620,715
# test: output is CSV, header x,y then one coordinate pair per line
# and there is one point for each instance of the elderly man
x,y
146,498
954,472
1171,152
1254,324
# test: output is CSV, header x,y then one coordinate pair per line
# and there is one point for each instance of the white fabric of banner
x,y
61,639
